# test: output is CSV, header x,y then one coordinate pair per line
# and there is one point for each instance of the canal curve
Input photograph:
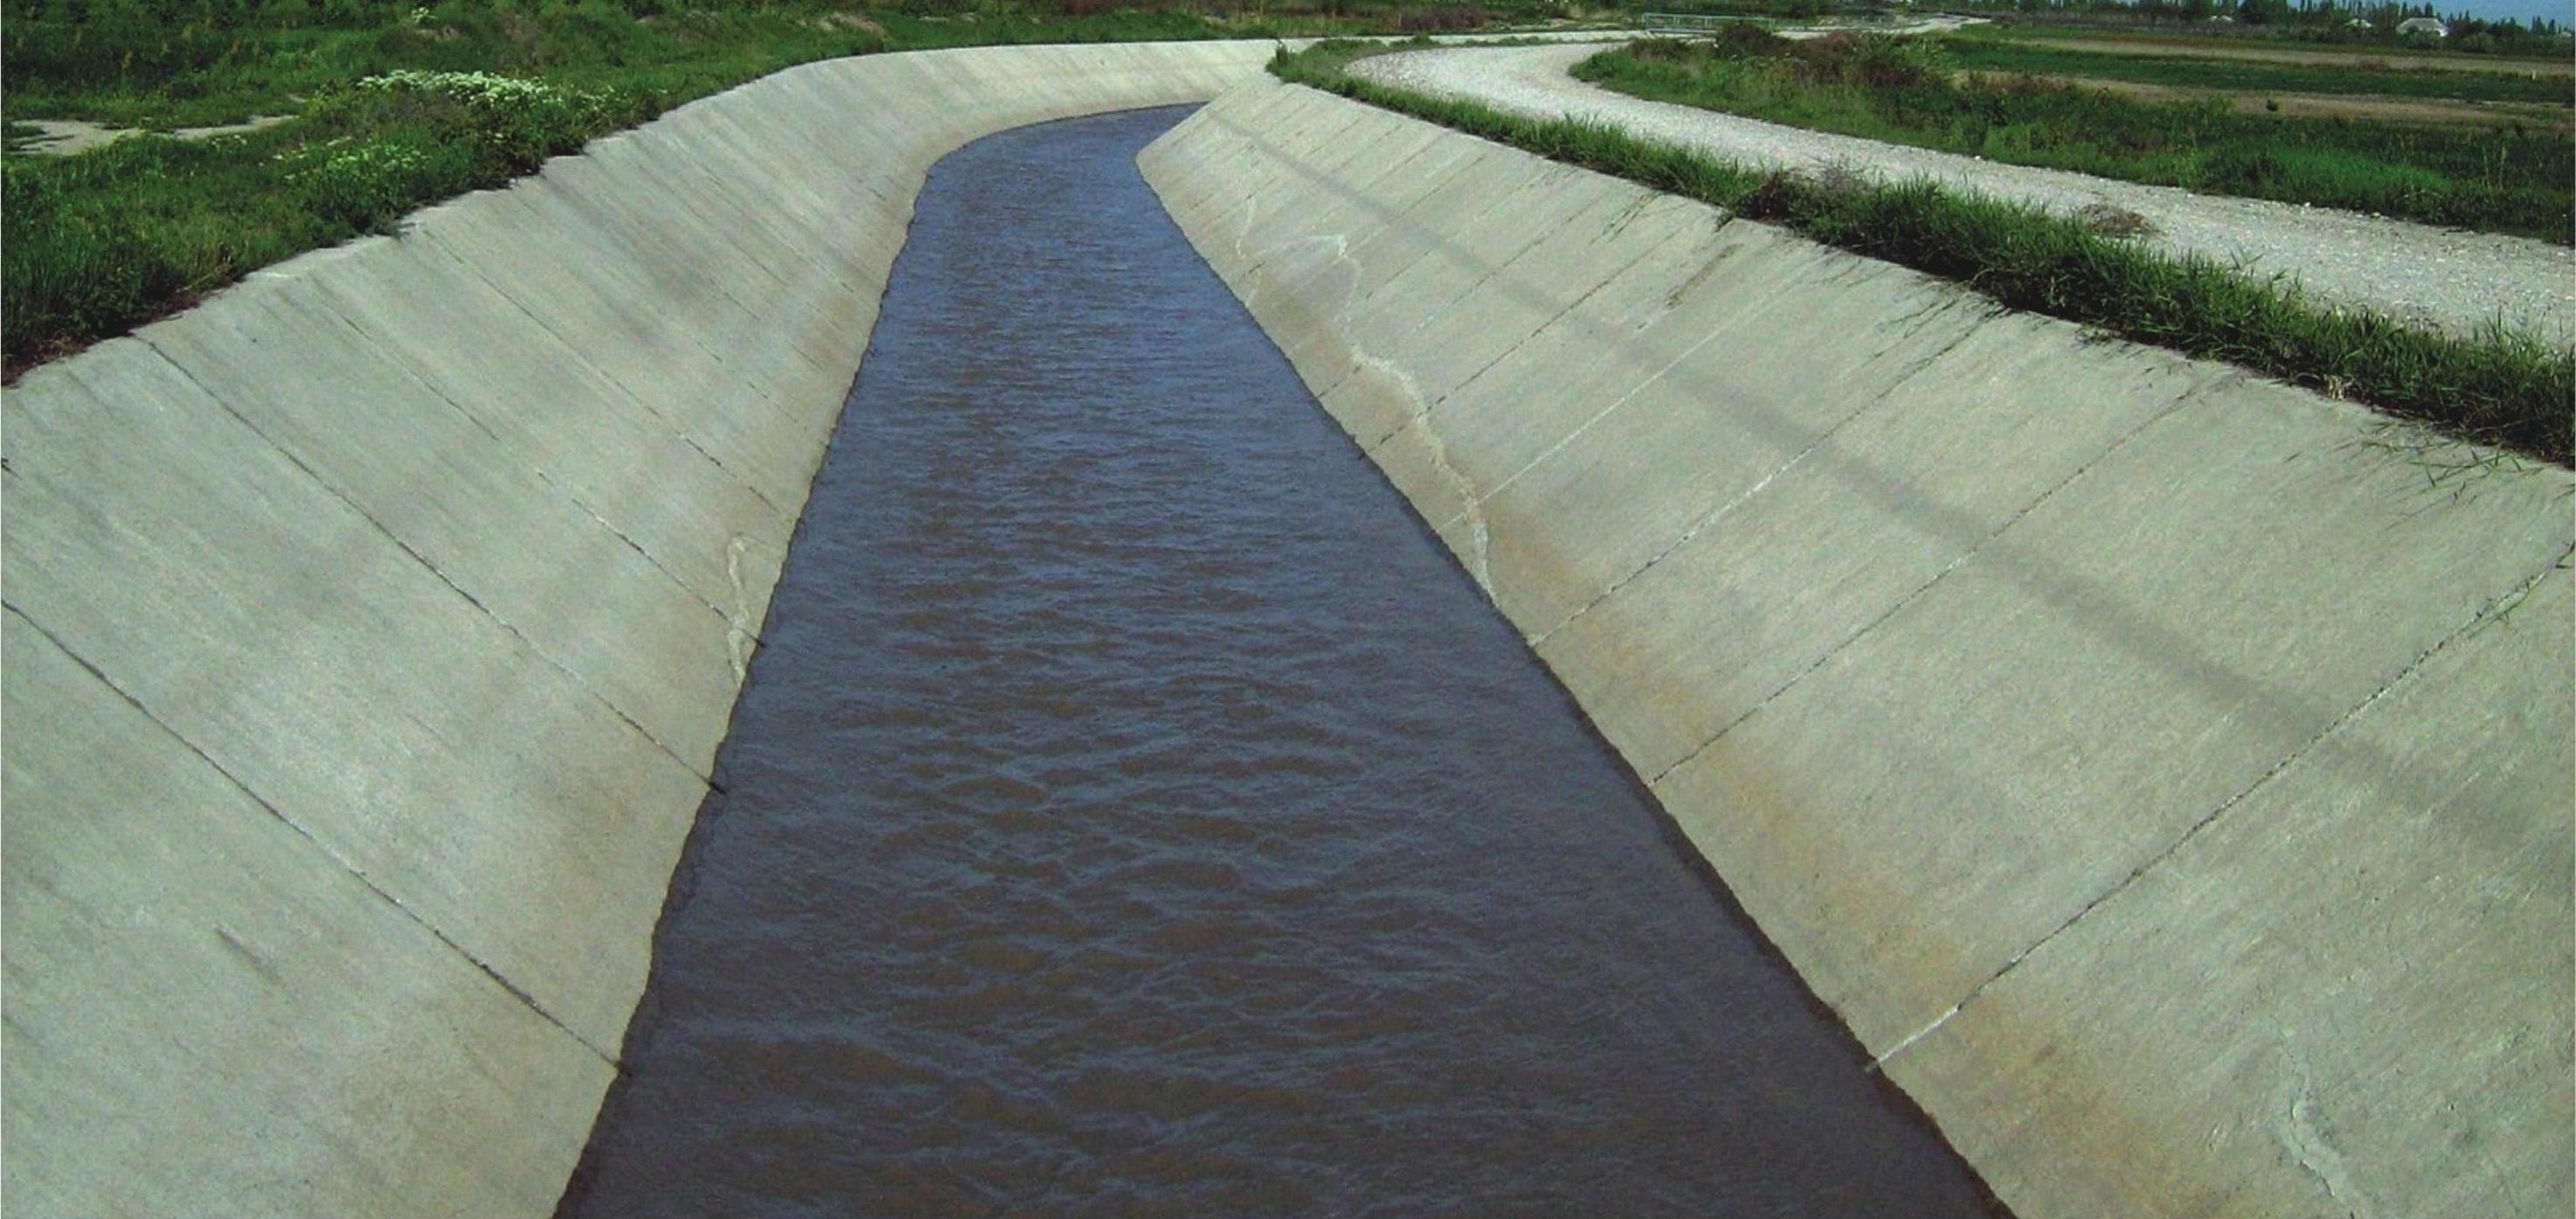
x,y
1134,811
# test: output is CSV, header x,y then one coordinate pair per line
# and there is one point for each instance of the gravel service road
x,y
2449,278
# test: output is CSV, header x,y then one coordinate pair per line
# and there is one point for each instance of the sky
x,y
2561,11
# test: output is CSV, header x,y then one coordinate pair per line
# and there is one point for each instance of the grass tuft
x,y
2499,387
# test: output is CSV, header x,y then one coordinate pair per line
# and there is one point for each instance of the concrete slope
x,y
370,631
2166,773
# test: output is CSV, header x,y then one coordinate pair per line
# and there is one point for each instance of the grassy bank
x,y
398,106
1900,91
2501,388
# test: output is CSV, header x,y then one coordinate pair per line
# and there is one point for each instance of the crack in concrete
x,y
2494,608
2305,1139
346,865
1479,564
741,637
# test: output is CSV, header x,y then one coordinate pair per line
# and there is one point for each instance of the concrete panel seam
x,y
1434,315
1251,203
725,232
539,471
750,310
1914,323
1691,534
1924,317
356,873
613,379
432,568
1605,412
1972,551
1573,308
2493,610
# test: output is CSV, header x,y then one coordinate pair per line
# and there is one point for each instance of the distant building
x,y
2424,25
2358,23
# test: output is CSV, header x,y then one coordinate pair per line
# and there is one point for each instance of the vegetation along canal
x,y
1133,812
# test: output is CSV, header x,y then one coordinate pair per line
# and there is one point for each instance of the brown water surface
x,y
1134,812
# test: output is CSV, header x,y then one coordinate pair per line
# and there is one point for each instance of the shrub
x,y
1879,61
367,186
1442,17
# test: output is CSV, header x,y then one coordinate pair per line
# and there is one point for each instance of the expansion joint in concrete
x,y
432,568
622,387
1690,534
567,493
2493,610
1568,439
343,863
1741,498
688,202
1573,310
1437,315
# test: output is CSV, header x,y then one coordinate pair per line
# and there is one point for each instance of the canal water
x,y
1134,812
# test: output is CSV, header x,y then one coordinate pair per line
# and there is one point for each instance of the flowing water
x,y
1134,812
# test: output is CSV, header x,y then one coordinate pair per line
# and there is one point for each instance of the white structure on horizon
x,y
2424,25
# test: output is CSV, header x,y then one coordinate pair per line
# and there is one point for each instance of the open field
x,y
2495,385
2362,107
2505,180
2378,75
2237,49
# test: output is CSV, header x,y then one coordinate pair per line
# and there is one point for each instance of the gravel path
x,y
71,137
2445,277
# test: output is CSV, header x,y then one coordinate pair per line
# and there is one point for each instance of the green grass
x,y
93,245
140,66
1899,91
2390,79
2500,387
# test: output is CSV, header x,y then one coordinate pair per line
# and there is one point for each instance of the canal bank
x,y
2165,773
372,626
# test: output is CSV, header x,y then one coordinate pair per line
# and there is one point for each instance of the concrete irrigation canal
x,y
1133,811
1695,723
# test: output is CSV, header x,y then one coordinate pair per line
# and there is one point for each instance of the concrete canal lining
x,y
370,630
2166,773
